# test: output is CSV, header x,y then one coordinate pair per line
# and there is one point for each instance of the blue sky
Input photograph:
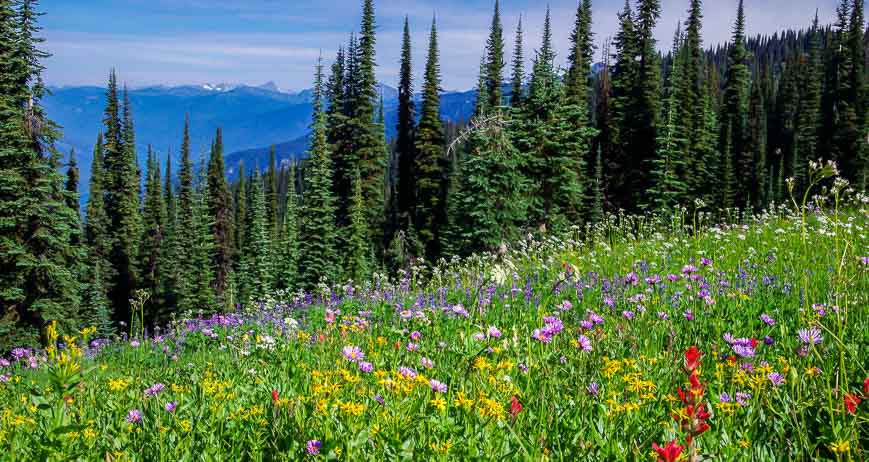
x,y
255,41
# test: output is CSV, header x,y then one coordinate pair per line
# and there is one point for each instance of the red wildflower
x,y
851,402
731,360
866,387
275,396
515,407
692,359
754,343
669,453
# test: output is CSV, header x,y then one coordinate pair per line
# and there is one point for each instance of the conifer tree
x,y
691,99
38,280
219,204
430,165
184,234
518,77
288,248
270,188
240,217
622,190
668,187
581,55
151,256
734,114
200,284
728,179
404,144
596,212
648,91
494,75
72,177
808,113
122,200
481,103
359,257
317,254
757,145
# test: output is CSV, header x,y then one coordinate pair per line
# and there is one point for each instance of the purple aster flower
x,y
653,280
586,324
134,416
437,386
407,372
768,320
743,398
426,363
379,398
689,315
480,337
709,300
663,316
562,359
353,353
820,310
811,336
584,343
744,351
724,397
628,314
365,366
415,336
412,346
171,406
493,332
673,277
631,278
134,344
776,379
542,335
608,301
864,261
688,269
593,389
4,362
406,315
313,447
595,318
705,261
565,305
154,390
522,367
768,340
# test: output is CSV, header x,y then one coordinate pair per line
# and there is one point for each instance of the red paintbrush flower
x,y
692,359
275,396
851,402
669,453
866,387
515,407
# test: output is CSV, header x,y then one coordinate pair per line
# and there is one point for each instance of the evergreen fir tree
x,y
317,254
518,77
581,55
846,136
219,203
288,249
38,280
122,200
495,60
200,285
184,235
240,217
270,188
693,117
359,258
72,177
430,165
151,252
734,115
404,144
757,145
808,113
596,212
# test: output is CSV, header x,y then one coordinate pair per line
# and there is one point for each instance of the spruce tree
x,y
757,145
240,217
38,280
404,143
288,248
184,235
518,76
71,186
596,212
219,203
151,252
495,60
808,113
734,114
270,188
622,190
201,295
430,165
317,254
122,200
360,253
691,96
581,55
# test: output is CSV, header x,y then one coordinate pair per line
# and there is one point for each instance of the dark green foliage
x,y
288,248
360,255
518,76
270,188
200,292
71,186
256,270
121,200
734,115
596,212
152,254
494,75
185,231
240,217
317,255
220,216
404,143
756,144
38,263
581,56
430,163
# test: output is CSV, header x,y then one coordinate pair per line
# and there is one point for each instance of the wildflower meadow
x,y
641,342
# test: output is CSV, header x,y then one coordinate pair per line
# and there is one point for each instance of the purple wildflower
x,y
426,363
412,346
171,406
724,398
586,324
380,399
595,318
353,353
134,416
407,372
542,335
313,447
415,336
776,379
584,343
522,367
437,386
628,314
743,398
154,390
593,389
493,332
365,366
811,336
663,316
768,340
689,315
768,320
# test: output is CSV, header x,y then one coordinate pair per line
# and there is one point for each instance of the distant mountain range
x,y
252,119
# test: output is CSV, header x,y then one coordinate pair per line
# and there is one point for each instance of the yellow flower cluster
x,y
119,385
490,408
350,409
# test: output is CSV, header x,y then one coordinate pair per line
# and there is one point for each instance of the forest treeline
x,y
726,127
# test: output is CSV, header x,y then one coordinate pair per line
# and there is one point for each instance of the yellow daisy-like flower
x,y
439,404
840,447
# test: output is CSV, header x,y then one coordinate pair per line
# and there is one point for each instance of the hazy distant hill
x,y
252,118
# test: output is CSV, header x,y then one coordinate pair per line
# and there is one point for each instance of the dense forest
x,y
725,128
